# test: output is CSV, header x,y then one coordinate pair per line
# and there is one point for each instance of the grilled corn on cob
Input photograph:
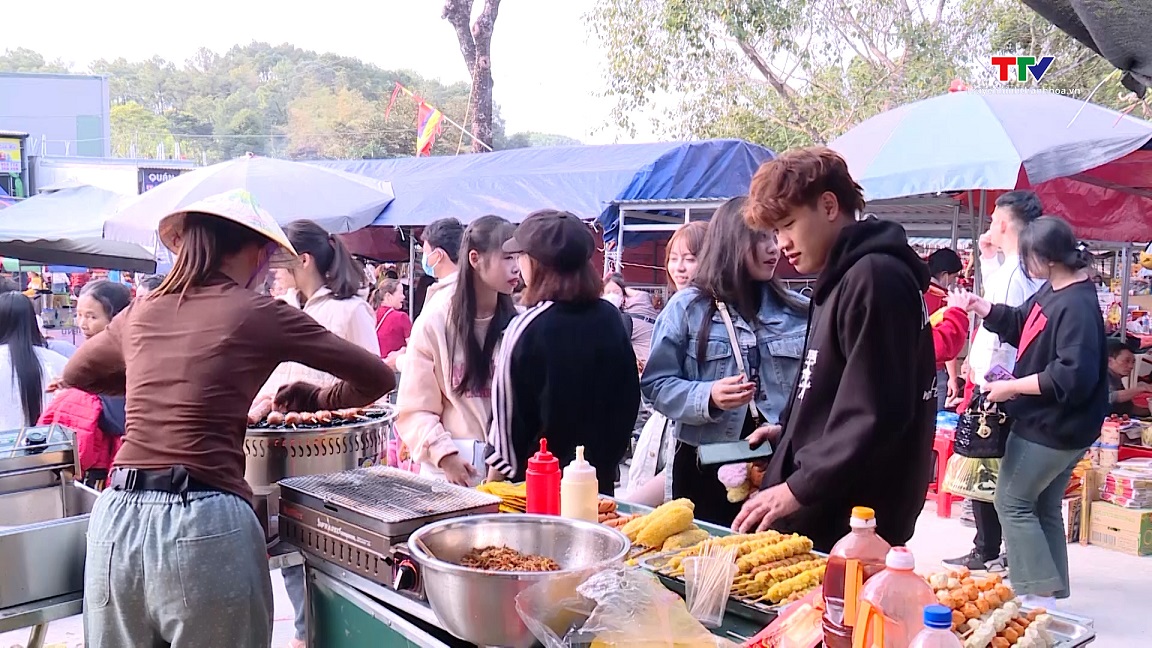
x,y
633,528
685,539
665,524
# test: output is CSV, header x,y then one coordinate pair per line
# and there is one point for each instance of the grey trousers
x,y
296,587
1029,490
161,572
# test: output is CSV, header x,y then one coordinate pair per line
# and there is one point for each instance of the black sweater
x,y
1060,337
566,372
859,429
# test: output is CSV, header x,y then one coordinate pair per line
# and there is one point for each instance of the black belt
x,y
174,480
641,318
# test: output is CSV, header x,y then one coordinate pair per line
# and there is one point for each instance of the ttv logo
x,y
1024,65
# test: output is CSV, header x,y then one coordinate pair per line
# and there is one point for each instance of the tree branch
x,y
482,28
459,13
783,90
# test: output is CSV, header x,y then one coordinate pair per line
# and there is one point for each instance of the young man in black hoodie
x,y
859,429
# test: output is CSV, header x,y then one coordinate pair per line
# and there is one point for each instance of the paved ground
x,y
1112,588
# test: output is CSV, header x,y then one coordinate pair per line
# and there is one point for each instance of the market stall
x,y
387,556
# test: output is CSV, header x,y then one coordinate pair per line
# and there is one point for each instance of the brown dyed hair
x,y
582,285
205,242
385,287
692,234
798,179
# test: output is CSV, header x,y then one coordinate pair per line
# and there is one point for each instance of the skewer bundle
x,y
709,579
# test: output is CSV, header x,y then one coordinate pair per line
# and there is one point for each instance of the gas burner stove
x,y
361,519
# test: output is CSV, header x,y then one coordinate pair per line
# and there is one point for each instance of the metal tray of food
x,y
1070,631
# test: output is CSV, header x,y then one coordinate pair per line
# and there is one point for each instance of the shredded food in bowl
x,y
505,559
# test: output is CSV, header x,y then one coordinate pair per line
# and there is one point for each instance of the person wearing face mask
x,y
190,358
639,307
445,400
440,243
720,383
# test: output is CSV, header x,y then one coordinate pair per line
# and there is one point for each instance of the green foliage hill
x,y
276,100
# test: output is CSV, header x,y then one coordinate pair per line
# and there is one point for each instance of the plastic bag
x,y
620,607
972,478
799,626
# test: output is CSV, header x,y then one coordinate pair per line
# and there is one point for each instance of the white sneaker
x,y
1032,602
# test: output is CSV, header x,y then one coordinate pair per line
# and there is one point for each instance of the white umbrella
x,y
340,202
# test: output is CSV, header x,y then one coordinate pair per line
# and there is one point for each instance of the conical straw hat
x,y
238,206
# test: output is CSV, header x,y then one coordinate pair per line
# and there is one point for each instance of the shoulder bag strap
x,y
737,350
386,314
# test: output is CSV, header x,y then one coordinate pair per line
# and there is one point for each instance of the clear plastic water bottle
x,y
937,632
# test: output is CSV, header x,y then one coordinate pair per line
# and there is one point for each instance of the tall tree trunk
x,y
476,46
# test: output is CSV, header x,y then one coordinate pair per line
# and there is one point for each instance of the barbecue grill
x,y
361,519
272,453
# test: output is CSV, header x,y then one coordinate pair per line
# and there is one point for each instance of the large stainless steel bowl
x,y
480,606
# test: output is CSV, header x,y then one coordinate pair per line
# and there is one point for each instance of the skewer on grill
x,y
292,419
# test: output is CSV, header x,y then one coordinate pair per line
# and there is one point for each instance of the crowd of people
x,y
519,337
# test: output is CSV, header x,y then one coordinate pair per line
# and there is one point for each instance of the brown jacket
x,y
191,365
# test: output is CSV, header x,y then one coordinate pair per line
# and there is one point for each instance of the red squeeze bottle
x,y
542,481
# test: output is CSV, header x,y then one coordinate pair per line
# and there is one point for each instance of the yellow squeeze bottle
x,y
580,490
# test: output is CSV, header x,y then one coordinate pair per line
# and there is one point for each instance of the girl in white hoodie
x,y
444,402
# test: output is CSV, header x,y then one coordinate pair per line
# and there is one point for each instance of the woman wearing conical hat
x,y
176,556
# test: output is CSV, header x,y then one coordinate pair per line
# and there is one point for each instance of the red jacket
x,y
79,411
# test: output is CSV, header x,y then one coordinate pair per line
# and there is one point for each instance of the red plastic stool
x,y
942,447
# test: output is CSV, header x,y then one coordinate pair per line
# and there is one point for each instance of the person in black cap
x,y
566,369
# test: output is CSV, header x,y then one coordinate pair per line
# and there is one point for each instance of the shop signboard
x,y
10,155
152,178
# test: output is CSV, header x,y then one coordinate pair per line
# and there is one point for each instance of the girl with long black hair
x,y
444,401
694,374
26,364
328,284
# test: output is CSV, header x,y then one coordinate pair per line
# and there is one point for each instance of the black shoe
x,y
973,561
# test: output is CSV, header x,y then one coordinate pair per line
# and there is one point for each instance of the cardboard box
x,y
1126,530
1070,510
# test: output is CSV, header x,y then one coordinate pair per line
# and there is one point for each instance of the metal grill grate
x,y
388,494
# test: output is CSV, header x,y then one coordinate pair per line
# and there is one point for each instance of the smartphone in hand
x,y
998,373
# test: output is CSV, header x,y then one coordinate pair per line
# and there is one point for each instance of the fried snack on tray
x,y
513,497
505,559
773,568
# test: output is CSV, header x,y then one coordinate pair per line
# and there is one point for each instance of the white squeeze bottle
x,y
580,490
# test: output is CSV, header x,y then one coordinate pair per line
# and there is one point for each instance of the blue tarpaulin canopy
x,y
579,179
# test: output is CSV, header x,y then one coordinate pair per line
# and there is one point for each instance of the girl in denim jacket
x,y
692,375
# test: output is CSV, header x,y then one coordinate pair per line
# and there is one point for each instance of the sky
x,y
547,68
